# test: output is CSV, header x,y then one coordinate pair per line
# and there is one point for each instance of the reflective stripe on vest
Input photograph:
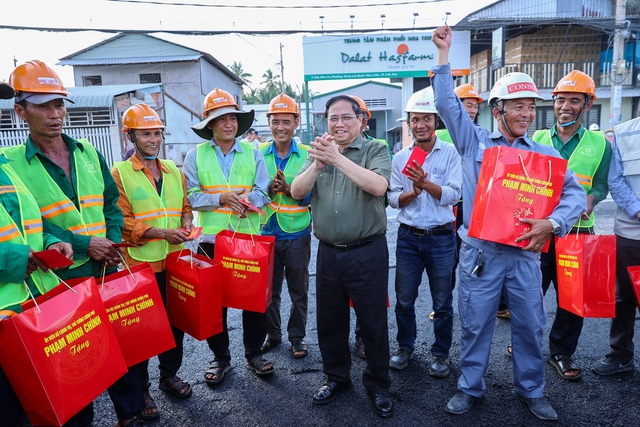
x,y
584,161
213,181
88,219
291,216
164,211
15,293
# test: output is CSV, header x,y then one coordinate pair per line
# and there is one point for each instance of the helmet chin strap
x,y
433,134
504,122
132,136
564,125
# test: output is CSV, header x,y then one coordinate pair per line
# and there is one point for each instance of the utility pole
x,y
618,64
281,68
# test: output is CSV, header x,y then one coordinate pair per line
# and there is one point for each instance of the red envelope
x,y
418,155
251,207
195,232
53,258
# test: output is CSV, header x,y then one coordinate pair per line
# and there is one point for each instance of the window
x,y
150,78
92,81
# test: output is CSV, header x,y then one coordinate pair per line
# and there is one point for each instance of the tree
x,y
271,82
236,68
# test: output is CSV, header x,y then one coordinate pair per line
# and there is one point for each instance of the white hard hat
x,y
594,126
514,86
422,102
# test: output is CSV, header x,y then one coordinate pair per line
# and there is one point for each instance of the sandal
x,y
176,386
149,404
134,422
509,350
269,343
563,365
360,348
217,368
299,349
258,365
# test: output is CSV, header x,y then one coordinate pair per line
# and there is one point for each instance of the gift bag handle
x,y
250,229
33,298
529,178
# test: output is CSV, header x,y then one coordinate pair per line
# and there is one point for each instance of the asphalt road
x,y
284,399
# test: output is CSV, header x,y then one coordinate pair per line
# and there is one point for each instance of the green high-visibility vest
x,y
55,206
291,216
213,181
31,235
444,135
584,161
158,211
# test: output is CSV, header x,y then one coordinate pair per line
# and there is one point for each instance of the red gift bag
x,y
61,355
587,274
514,184
134,306
194,298
247,269
634,277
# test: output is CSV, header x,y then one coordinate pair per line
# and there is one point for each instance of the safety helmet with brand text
x,y
577,82
362,105
283,104
217,103
467,91
514,86
423,101
215,99
141,116
37,77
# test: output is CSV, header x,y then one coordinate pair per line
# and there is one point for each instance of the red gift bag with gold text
x,y
513,184
247,269
134,306
634,277
194,297
61,355
586,265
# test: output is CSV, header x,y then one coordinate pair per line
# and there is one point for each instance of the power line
x,y
230,6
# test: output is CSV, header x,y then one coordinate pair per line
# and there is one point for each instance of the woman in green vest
x,y
157,220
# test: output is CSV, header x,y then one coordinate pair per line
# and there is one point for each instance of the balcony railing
x,y
547,74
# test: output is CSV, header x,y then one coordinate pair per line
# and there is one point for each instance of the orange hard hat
x,y
283,104
362,105
215,99
577,82
141,116
467,91
217,103
37,77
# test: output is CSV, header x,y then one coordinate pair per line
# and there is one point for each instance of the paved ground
x,y
243,399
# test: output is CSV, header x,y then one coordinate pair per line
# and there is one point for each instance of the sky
x,y
257,53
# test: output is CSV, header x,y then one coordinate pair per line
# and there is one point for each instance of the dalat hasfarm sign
x,y
385,55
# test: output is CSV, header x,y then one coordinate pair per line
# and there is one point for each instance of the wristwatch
x,y
556,227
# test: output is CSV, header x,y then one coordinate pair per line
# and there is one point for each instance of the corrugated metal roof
x,y
130,60
96,96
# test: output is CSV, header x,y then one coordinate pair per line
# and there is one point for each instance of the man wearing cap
x,y
221,173
77,198
425,192
589,156
289,220
487,268
20,237
348,177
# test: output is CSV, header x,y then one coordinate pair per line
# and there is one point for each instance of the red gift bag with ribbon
x,y
138,317
61,354
247,269
634,278
513,184
586,266
194,297
134,305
